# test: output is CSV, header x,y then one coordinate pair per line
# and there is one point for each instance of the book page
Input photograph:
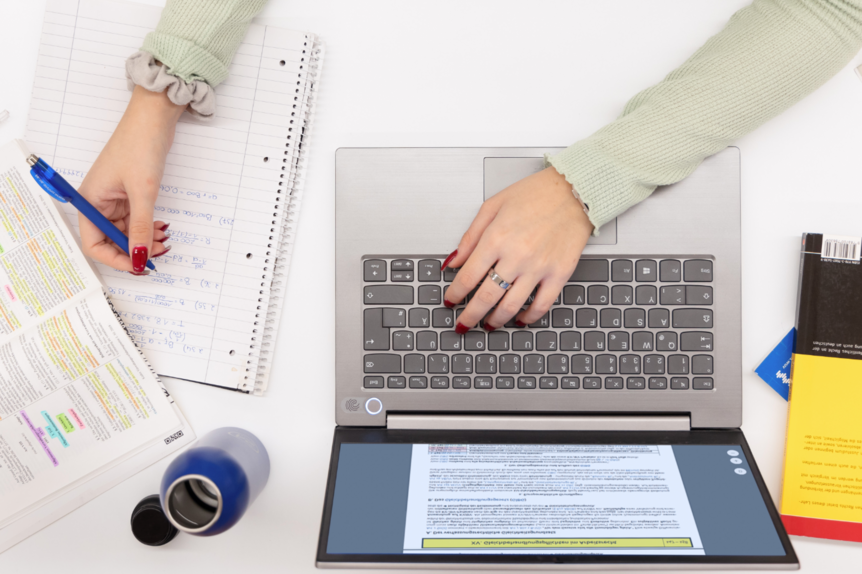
x,y
200,316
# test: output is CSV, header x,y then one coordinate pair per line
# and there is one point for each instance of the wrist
x,y
560,181
156,106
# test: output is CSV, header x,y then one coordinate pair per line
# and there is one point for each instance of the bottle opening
x,y
193,503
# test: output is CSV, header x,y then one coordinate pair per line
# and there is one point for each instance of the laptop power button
x,y
373,406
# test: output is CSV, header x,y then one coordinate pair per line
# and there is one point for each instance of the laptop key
x,y
702,383
573,295
522,341
611,318
461,382
622,270
373,382
586,318
598,295
414,363
402,341
606,365
677,365
394,318
562,318
679,383
542,322
613,382
701,365
439,382
442,318
534,365
696,341
380,363
657,383
646,270
450,341
510,364
594,341
570,341
483,383
582,364
418,382
654,365
590,271
645,295
430,295
622,295
438,364
558,364
642,341
426,341
419,318
592,382
634,318
388,295
630,365
659,319
402,276
635,383
375,336
548,382
396,382
374,270
428,270
698,270
665,341
526,382
672,295
402,265
698,295
474,341
546,341
462,364
618,341
486,364
570,383
690,319
498,341
505,382
670,270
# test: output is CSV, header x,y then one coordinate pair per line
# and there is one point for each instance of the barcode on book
x,y
840,247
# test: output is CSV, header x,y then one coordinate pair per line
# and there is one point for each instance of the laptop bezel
x,y
709,437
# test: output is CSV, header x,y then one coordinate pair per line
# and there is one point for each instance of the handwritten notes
x,y
199,316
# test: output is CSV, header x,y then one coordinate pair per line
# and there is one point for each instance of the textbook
x,y
80,408
822,494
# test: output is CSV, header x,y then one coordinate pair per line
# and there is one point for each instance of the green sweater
x,y
769,56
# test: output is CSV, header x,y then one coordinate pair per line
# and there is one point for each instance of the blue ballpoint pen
x,y
58,188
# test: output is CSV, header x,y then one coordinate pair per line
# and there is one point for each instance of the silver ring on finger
x,y
492,275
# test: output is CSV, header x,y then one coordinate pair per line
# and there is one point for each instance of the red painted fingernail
x,y
520,323
489,328
448,259
147,272
163,252
139,258
163,239
448,303
461,329
164,227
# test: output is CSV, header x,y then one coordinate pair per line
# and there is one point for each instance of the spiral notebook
x,y
231,190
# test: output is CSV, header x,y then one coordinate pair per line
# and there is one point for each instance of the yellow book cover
x,y
822,493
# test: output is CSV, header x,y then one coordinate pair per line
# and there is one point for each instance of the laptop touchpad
x,y
501,172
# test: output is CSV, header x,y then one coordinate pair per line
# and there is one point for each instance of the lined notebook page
x,y
201,316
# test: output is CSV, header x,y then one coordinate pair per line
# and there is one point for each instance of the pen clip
x,y
38,171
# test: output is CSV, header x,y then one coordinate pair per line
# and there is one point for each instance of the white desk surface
x,y
456,73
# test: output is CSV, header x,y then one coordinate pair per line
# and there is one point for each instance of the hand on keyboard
x,y
532,233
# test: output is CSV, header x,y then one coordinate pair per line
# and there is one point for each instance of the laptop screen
x,y
507,499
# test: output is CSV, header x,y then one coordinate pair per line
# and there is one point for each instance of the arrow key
x,y
375,270
429,270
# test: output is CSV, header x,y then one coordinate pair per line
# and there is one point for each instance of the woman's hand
x,y
531,233
124,183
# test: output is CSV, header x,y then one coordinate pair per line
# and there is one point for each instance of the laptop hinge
x,y
539,423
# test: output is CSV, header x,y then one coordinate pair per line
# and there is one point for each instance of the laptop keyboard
x,y
635,324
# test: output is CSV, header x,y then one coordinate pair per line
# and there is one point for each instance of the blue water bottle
x,y
208,488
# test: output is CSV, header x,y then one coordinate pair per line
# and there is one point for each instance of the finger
x,y
470,274
160,233
511,303
549,290
488,294
470,239
141,227
97,246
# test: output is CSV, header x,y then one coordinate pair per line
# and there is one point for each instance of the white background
x,y
462,73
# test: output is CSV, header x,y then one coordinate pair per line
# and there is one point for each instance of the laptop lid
x,y
500,499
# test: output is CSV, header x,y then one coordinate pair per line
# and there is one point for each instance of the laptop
x,y
604,435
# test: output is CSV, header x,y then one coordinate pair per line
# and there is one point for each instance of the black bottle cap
x,y
149,523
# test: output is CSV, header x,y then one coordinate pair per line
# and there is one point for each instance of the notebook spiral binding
x,y
280,247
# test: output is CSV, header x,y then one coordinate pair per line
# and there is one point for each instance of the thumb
x,y
140,230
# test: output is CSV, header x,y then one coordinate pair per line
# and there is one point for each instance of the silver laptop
x,y
626,397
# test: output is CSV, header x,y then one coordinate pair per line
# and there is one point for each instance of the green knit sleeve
x,y
770,55
196,39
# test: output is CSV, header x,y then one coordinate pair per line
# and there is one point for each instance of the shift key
x,y
388,295
590,270
381,363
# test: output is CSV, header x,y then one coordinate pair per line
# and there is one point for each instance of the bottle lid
x,y
149,523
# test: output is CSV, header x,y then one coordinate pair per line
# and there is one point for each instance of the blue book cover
x,y
775,368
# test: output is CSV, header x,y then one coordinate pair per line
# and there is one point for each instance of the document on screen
x,y
545,498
